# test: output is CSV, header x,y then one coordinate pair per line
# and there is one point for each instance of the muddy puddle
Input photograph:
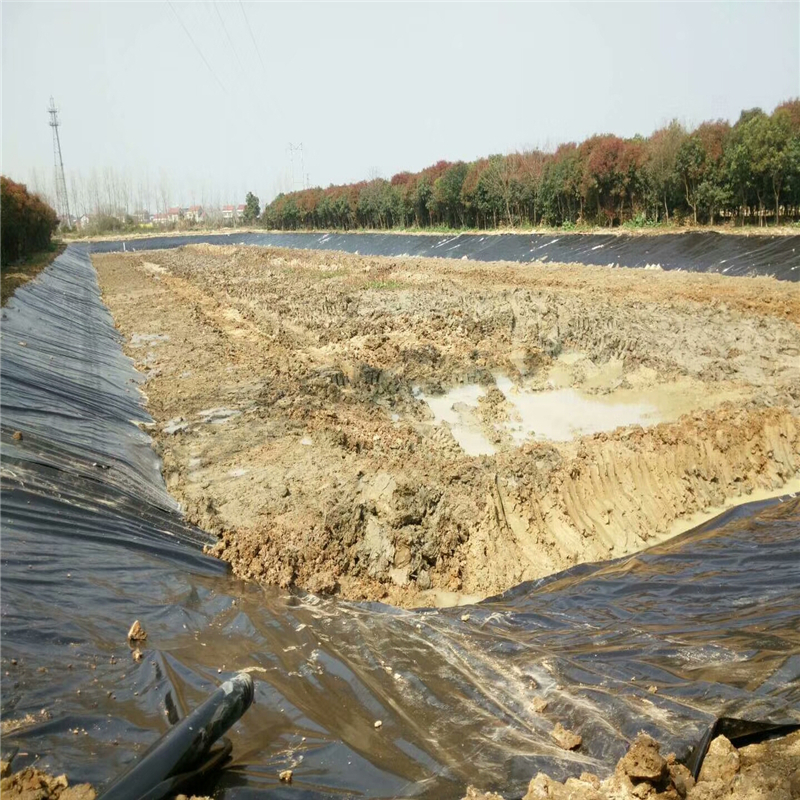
x,y
548,415
457,410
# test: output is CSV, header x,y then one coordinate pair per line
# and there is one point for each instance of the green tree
x,y
776,153
711,170
745,180
252,208
662,164
690,163
446,198
26,222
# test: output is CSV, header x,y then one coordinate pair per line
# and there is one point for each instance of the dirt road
x,y
424,431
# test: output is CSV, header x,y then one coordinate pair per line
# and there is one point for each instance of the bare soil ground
x,y
288,392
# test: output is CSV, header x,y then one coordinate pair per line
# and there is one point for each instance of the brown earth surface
x,y
286,392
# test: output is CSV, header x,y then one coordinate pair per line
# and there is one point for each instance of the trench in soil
x,y
426,432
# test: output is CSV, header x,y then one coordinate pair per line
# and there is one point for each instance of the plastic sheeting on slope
x,y
731,254
91,541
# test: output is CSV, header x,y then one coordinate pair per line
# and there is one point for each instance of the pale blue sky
x,y
367,87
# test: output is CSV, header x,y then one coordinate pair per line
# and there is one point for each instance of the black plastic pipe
x,y
180,753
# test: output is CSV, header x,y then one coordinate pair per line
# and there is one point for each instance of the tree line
x,y
26,222
746,173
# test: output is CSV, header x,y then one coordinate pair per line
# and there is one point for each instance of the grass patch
x,y
12,276
384,285
313,274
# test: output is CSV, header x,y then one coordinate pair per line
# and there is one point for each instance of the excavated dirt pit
x,y
429,432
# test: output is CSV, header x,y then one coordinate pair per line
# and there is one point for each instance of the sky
x,y
199,101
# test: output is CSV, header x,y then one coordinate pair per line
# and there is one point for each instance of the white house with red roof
x,y
233,212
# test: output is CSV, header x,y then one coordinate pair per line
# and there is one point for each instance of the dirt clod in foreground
x,y
33,784
137,633
765,771
566,739
287,392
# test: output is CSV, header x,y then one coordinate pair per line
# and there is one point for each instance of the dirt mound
x,y
316,410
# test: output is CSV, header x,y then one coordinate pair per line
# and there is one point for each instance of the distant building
x,y
160,219
233,212
195,214
83,221
174,214
142,216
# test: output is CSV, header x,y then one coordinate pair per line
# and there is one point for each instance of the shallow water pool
x,y
556,415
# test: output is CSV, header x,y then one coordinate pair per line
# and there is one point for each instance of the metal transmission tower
x,y
62,200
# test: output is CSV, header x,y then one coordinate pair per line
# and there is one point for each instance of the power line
x,y
255,44
228,37
244,77
196,47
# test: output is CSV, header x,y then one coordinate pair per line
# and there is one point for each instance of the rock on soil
x,y
321,467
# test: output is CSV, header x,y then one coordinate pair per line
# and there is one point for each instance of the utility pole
x,y
62,199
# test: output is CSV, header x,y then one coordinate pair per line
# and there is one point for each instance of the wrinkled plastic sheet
x,y
91,541
731,254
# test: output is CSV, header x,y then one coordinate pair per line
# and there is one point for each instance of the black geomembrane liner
x,y
91,540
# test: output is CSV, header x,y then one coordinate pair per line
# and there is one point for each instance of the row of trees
x,y
748,172
26,222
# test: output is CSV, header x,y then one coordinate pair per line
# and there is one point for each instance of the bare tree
x,y
39,184
163,190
